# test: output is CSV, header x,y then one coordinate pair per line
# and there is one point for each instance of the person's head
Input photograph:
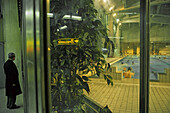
x,y
11,56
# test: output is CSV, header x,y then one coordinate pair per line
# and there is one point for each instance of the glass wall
x,y
95,50
159,100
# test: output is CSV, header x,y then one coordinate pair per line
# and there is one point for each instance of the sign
x,y
66,41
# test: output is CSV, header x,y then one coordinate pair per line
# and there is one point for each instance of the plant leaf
x,y
105,77
62,62
108,81
83,67
85,78
111,83
109,76
87,71
86,87
79,78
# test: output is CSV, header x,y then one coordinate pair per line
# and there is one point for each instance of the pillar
x,y
2,75
117,49
11,32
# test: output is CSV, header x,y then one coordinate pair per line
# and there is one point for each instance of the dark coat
x,y
11,72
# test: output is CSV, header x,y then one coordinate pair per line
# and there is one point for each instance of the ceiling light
x,y
117,20
50,15
72,17
61,28
114,14
110,9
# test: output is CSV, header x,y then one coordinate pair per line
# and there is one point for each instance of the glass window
x,y
159,57
95,50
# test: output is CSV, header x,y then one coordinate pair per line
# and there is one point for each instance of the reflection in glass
x,y
159,57
93,43
75,52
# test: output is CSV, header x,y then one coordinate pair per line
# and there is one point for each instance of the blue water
x,y
157,65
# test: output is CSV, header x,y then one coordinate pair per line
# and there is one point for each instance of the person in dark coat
x,y
12,82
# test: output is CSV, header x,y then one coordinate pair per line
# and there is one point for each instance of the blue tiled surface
x,y
157,65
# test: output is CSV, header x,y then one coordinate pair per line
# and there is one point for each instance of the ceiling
x,y
128,11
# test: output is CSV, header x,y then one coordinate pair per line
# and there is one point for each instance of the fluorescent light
x,y
76,18
66,17
64,27
110,9
104,48
61,28
72,17
114,14
50,15
117,20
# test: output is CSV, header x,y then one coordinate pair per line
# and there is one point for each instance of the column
x,y
117,49
11,31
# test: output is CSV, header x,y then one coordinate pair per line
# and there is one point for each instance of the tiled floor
x,y
3,108
123,96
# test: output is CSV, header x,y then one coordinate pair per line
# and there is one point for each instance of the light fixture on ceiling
x,y
117,20
110,9
79,18
114,14
50,15
61,28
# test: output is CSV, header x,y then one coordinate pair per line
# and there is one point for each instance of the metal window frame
x,y
144,56
35,72
42,59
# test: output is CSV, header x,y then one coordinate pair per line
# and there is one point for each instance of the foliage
x,y
69,61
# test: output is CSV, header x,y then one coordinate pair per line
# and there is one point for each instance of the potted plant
x,y
75,19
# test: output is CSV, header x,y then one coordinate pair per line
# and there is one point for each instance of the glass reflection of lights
x,y
29,12
49,49
114,14
72,17
61,28
117,20
110,9
50,15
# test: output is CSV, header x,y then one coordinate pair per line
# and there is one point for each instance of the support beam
x,y
157,2
155,18
144,56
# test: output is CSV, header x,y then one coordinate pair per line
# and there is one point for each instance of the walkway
x,y
123,96
3,100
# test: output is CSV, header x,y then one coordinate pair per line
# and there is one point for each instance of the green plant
x,y
68,61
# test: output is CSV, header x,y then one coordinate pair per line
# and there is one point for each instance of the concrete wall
x,y
1,31
11,31
160,33
131,32
2,60
159,38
